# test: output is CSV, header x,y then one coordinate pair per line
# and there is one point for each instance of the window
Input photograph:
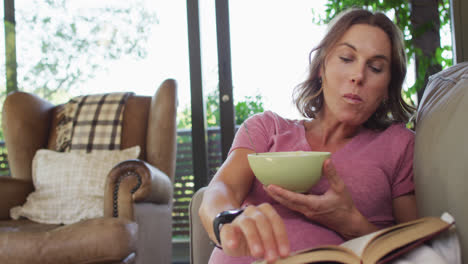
x,y
71,48
3,87
68,48
270,43
2,54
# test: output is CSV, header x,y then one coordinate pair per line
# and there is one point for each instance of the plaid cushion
x,y
91,122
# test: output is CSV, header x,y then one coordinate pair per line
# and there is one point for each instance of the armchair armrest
x,y
161,137
135,181
26,120
13,192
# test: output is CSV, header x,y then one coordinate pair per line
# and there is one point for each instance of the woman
x,y
352,99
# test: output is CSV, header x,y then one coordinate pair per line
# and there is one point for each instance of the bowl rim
x,y
288,154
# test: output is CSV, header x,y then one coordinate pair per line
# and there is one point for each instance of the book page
x,y
319,254
398,239
374,246
359,244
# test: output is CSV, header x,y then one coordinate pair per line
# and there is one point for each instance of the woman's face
x,y
357,74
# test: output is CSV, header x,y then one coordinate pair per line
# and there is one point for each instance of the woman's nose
x,y
358,75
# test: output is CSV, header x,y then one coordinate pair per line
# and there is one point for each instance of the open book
x,y
377,247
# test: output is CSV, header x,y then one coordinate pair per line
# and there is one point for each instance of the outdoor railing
x,y
183,185
183,182
4,168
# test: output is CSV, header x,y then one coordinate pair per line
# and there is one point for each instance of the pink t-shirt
x,y
375,166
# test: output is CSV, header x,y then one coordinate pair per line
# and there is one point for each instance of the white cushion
x,y
69,186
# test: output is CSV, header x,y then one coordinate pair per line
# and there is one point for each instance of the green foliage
x,y
212,109
61,47
184,118
243,109
247,108
400,10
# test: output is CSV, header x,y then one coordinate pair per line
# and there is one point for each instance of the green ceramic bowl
x,y
297,171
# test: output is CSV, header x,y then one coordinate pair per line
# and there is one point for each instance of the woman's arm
x,y
404,208
228,188
258,231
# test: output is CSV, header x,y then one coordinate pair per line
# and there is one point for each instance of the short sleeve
x,y
403,182
260,128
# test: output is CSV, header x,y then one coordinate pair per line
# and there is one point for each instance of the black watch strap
x,y
224,217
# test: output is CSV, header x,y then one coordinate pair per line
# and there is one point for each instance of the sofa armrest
x,y
200,244
135,181
13,192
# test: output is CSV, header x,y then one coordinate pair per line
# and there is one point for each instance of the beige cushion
x,y
69,186
441,149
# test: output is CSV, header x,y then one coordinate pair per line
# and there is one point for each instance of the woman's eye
x,y
375,69
345,59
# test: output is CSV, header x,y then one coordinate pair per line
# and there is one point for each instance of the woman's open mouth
x,y
352,98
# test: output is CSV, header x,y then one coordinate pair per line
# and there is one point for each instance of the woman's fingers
x,y
292,200
264,231
279,230
242,239
231,239
259,231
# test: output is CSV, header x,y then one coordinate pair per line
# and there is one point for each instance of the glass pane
x,y
270,43
3,161
261,34
209,47
2,54
68,48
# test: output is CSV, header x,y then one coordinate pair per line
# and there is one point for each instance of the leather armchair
x,y
440,159
136,227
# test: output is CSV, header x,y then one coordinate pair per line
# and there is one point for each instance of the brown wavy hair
x,y
308,96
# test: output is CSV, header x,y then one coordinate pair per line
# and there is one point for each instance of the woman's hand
x,y
259,232
334,209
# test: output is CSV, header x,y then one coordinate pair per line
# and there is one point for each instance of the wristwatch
x,y
225,217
